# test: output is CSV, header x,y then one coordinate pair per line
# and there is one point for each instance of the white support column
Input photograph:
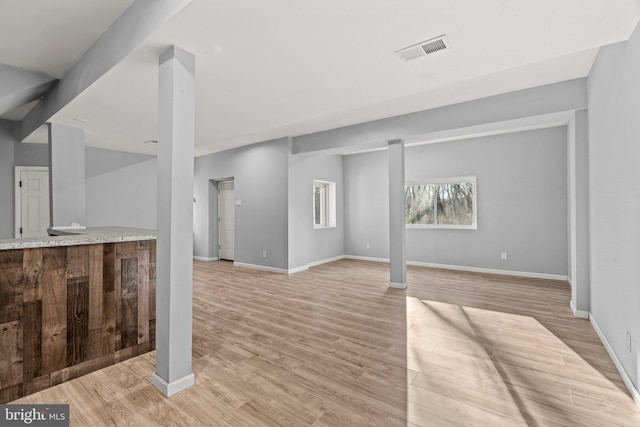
x,y
397,229
176,135
578,192
67,205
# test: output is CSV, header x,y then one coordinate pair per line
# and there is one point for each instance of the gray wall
x,y
31,154
261,184
121,188
522,202
614,197
306,244
366,198
553,98
7,211
99,161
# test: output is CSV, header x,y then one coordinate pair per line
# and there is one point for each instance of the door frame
x,y
230,180
18,194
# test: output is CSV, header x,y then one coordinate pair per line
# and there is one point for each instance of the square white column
x,y
176,137
397,228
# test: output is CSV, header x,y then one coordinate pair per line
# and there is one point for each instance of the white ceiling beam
x,y
474,116
20,87
131,28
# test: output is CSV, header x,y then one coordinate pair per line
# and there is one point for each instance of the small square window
x,y
324,204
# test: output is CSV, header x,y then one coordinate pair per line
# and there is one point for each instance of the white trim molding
x,y
297,269
578,313
260,267
623,373
324,261
17,206
169,389
395,285
416,263
291,270
366,258
471,269
327,204
490,271
271,269
203,258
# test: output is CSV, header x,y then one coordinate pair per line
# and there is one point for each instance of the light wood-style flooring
x,y
335,346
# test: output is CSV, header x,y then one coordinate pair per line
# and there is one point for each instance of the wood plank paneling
x,y
117,295
77,320
109,299
32,332
11,285
152,293
35,385
11,393
77,261
63,306
128,249
10,354
84,368
152,279
152,334
32,269
96,266
54,309
129,303
143,293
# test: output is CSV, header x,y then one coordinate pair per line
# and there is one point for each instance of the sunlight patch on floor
x,y
483,367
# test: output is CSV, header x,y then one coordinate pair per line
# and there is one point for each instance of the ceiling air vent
x,y
425,48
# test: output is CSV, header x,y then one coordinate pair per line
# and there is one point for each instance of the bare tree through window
x,y
441,203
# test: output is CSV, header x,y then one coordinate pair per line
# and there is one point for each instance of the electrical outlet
x,y
504,256
368,246
264,254
629,341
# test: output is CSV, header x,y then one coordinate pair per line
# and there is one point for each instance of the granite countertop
x,y
81,236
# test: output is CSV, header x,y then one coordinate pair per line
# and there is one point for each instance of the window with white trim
x,y
441,203
324,204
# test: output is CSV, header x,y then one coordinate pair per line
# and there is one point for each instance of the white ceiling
x,y
268,69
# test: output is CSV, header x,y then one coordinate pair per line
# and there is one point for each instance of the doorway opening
x,y
32,215
226,220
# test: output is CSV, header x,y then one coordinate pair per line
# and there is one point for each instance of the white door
x,y
32,202
226,221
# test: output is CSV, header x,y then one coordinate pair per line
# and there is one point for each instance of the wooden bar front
x,y
70,310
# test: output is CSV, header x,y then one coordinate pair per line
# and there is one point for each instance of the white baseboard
x,y
465,268
324,261
490,271
169,389
261,267
417,263
623,373
366,258
297,269
395,285
291,270
204,258
578,313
